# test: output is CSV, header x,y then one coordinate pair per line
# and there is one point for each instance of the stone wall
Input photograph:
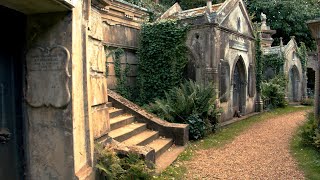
x,y
121,23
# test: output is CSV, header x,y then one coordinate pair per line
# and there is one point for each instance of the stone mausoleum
x,y
292,68
54,103
221,46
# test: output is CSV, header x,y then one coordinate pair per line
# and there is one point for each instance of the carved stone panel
x,y
224,81
47,77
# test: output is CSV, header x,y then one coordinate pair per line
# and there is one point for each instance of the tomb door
x,y
239,87
10,132
294,79
11,139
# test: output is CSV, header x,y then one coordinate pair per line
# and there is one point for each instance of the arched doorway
x,y
239,87
294,84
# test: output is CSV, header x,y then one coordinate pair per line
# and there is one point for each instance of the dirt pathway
x,y
261,152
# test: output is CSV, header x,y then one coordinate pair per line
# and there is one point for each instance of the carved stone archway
x,y
239,86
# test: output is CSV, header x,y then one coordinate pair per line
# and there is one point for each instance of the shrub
x,y
307,102
310,134
110,166
275,91
191,104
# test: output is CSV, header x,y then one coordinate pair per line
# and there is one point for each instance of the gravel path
x,y
261,152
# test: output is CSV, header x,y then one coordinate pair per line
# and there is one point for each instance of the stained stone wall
x,y
215,49
59,136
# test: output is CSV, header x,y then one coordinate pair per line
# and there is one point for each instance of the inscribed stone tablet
x,y
47,77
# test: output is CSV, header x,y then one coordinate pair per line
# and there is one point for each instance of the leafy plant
x,y
135,168
108,163
275,91
110,166
307,102
192,104
309,133
162,57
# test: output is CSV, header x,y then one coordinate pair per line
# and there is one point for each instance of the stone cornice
x,y
119,12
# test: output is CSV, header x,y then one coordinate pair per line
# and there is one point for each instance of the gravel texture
x,y
260,152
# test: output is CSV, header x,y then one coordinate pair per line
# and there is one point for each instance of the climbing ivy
x,y
302,53
121,74
274,61
162,58
259,63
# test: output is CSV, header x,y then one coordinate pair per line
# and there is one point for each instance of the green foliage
x,y
303,55
275,91
155,10
190,103
162,56
309,133
108,163
135,168
197,126
287,17
110,166
121,74
259,63
274,61
307,102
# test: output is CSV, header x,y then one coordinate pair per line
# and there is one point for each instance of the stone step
x,y
121,121
160,145
168,157
114,112
127,131
142,138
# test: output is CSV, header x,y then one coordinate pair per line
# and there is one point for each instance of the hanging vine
x,y
302,53
259,63
121,74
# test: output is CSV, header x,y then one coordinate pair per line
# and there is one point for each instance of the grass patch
x,y
220,138
308,157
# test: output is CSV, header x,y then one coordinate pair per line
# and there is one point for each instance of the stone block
x,y
96,55
98,90
100,119
95,26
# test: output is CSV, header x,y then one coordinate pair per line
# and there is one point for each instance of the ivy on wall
x,y
274,61
259,63
121,73
162,58
303,55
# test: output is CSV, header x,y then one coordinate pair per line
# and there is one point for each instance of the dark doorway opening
x,y
12,42
294,83
311,74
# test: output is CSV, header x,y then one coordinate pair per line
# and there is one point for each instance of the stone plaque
x,y
48,76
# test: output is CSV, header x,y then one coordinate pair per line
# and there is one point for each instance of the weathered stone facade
x,y
53,84
221,51
292,68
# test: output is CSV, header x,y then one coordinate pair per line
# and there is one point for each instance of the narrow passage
x,y
261,152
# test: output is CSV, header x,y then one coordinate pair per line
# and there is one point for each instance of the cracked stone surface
x,y
260,152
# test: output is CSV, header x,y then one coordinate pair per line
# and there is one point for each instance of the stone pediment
x,y
233,16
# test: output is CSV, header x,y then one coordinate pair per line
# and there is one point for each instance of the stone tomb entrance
x,y
11,116
294,84
239,87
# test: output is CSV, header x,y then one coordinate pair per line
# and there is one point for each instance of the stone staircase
x,y
132,126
